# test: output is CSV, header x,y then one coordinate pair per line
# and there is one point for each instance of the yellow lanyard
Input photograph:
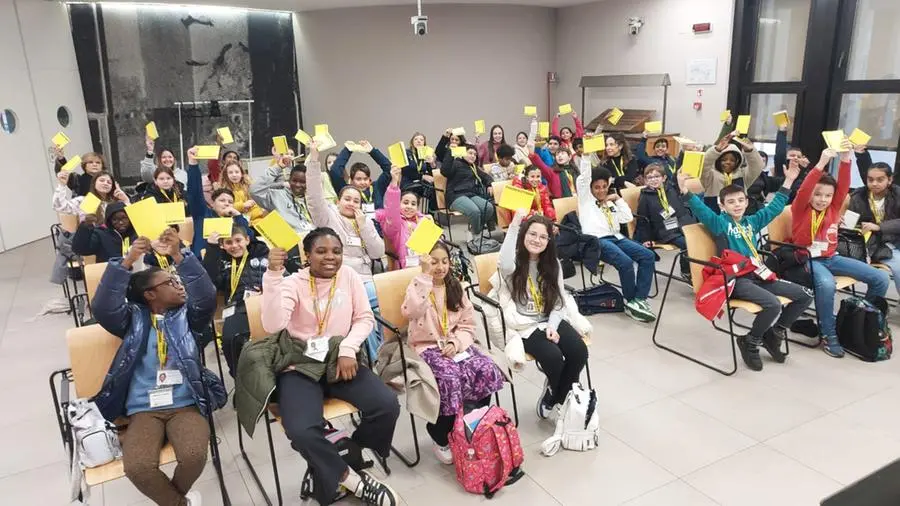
x,y
419,164
879,215
748,238
619,168
475,173
163,261
302,209
815,223
162,347
320,319
236,271
728,179
571,182
170,199
536,295
609,217
366,199
126,245
663,200
442,315
355,225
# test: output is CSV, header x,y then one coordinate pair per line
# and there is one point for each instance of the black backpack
x,y
603,298
862,329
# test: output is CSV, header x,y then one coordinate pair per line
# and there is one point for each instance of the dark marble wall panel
x,y
271,41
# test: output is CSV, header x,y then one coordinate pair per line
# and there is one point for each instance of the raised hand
x,y
277,257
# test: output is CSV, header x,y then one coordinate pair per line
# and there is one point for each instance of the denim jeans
x,y
373,342
823,272
894,264
474,208
622,254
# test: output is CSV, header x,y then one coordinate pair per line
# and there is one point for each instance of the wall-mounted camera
x,y
634,25
420,24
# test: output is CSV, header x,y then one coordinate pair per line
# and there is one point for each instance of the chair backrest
x,y
780,229
846,205
68,222
92,275
700,246
91,351
632,196
564,206
186,231
503,215
440,188
254,317
390,288
485,267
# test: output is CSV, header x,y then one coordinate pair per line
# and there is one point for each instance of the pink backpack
x,y
492,458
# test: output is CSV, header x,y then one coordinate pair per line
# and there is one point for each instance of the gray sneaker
x,y
647,308
635,311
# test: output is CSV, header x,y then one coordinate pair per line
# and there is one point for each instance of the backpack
x,y
862,330
602,298
95,442
578,425
349,451
491,457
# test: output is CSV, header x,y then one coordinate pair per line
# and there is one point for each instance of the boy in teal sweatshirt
x,y
735,231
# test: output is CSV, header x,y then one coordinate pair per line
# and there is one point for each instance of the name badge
x,y
666,213
317,348
228,312
251,293
459,357
161,397
412,259
530,307
368,208
619,237
762,271
168,377
354,241
671,223
818,248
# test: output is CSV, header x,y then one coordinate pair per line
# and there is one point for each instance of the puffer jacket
x,y
572,244
890,226
650,224
217,263
716,288
103,241
131,322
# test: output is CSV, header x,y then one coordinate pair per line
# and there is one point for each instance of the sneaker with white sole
x,y
544,404
193,498
374,492
442,453
648,310
635,311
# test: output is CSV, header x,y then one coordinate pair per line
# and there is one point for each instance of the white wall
x,y
364,73
592,40
39,75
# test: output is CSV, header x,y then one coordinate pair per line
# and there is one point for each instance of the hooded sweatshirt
x,y
103,241
748,167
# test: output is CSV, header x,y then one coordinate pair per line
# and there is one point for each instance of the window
x,y
876,114
8,121
762,107
62,115
781,40
875,48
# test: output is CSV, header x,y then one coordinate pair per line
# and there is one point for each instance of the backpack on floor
x,y
578,425
862,329
602,298
489,459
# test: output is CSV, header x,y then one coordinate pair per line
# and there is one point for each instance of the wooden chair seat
x,y
842,282
754,308
666,247
882,267
92,275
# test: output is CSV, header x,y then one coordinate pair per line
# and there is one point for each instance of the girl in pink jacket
x,y
442,331
399,218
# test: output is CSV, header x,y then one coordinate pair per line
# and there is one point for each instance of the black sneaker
x,y
749,346
772,340
374,492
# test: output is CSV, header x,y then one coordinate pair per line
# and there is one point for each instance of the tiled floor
x,y
674,433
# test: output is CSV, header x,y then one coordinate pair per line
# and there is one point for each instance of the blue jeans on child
x,y
894,264
622,254
373,342
477,209
823,272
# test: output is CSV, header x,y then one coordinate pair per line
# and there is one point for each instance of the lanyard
x,y
879,215
619,168
748,238
815,223
442,315
609,217
366,199
163,261
475,173
536,295
126,245
162,347
728,179
663,199
320,319
236,272
170,199
302,210
355,225
571,182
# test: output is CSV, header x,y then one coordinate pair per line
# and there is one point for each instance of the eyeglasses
x,y
173,281
537,236
653,177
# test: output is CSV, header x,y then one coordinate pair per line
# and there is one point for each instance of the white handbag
x,y
578,425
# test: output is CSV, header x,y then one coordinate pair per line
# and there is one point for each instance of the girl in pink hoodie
x,y
399,218
442,331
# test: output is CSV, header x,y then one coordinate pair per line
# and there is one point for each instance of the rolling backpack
x,y
862,329
488,457
578,425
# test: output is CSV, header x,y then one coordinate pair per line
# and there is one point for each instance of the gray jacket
x,y
270,193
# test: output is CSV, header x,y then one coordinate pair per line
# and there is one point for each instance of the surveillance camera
x,y
634,25
420,24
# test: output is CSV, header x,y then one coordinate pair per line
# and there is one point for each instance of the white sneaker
x,y
193,498
442,453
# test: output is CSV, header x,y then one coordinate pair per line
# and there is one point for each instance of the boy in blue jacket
x,y
156,378
735,231
360,177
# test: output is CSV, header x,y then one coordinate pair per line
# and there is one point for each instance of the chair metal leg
x,y
415,437
587,370
217,460
252,469
515,403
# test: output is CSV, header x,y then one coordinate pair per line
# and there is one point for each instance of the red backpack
x,y
492,458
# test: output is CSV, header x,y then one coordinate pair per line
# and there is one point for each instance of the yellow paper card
x,y
514,198
530,110
60,140
221,226
743,124
424,152
684,140
173,212
73,162
208,152
397,154
321,129
324,142
544,129
693,163
281,145
724,116
479,127
594,144
458,151
302,137
520,169
151,131
833,139
458,131
354,147
781,119
91,202
225,134
614,116
859,137
424,237
277,231
147,218
653,127
565,109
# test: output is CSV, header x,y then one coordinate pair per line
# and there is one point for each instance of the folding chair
x,y
562,207
700,248
503,215
91,352
440,192
332,408
632,197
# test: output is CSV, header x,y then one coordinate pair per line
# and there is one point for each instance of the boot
x,y
749,346
772,340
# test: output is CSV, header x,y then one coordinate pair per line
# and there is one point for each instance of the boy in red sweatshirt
x,y
816,216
